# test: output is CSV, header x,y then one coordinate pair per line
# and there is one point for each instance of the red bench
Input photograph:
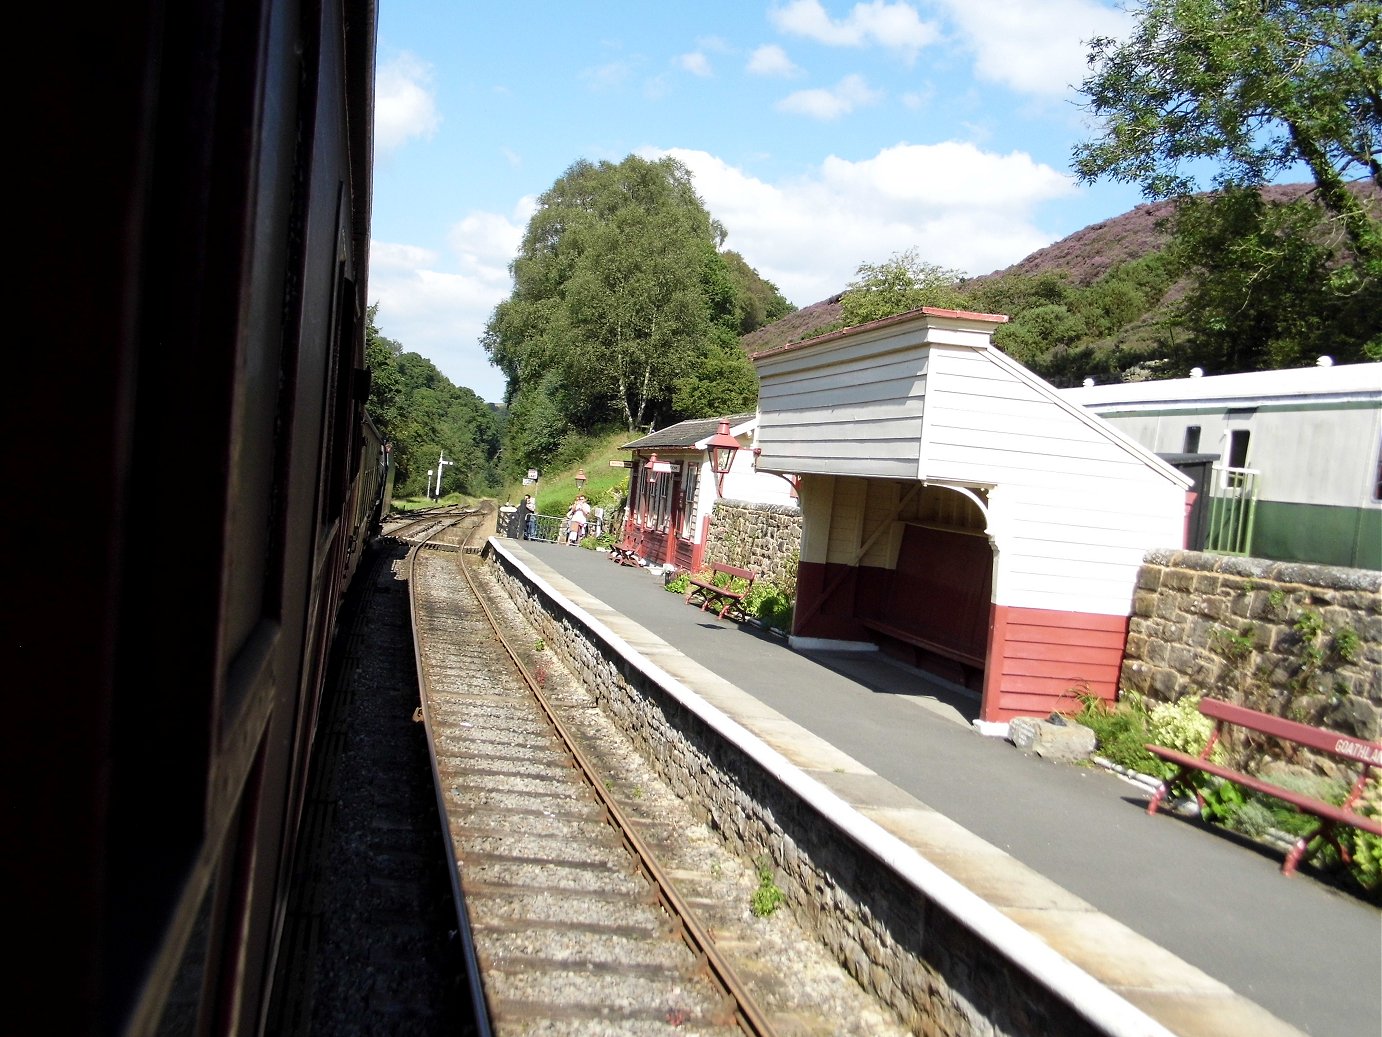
x,y
722,597
1356,750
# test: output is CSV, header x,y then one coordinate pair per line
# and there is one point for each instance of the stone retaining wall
x,y
943,978
763,537
1301,641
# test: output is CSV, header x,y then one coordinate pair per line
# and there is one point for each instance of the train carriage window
x,y
1192,440
1238,448
1377,486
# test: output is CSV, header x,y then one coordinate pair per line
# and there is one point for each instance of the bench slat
x,y
949,651
1302,802
1342,745
712,594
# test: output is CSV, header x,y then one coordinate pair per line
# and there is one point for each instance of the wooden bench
x,y
959,655
722,597
623,555
1356,750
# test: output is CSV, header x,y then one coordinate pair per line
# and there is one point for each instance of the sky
x,y
821,134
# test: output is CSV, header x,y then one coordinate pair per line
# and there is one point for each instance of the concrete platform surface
x,y
1189,904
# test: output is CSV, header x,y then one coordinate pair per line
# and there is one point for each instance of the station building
x,y
958,512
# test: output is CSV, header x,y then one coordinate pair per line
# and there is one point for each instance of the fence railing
x,y
1232,509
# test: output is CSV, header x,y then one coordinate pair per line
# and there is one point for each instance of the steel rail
x,y
747,1015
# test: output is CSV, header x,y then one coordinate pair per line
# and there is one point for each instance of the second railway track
x,y
577,925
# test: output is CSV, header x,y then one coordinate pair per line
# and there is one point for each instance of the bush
x,y
1121,731
1364,847
679,584
769,604
1180,725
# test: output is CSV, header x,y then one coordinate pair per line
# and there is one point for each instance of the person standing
x,y
576,519
529,517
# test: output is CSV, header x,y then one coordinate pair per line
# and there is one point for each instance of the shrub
x,y
1180,725
769,604
679,584
767,897
1120,732
1366,848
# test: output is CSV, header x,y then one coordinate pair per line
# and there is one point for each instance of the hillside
x,y
1083,257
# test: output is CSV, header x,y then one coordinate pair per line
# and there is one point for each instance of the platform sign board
x,y
621,464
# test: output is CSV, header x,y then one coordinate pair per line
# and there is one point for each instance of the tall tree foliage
x,y
1253,90
1268,287
424,416
607,290
902,282
1256,87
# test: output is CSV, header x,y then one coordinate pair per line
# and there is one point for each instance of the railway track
x,y
571,918
594,902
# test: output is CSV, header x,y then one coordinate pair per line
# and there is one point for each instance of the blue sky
x,y
821,134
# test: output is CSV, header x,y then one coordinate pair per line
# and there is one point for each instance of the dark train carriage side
x,y
187,402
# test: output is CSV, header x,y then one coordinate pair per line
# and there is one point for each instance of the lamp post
x,y
722,448
580,479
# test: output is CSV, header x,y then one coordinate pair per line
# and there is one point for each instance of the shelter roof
x,y
686,435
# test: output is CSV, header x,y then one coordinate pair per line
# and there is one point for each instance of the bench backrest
x,y
733,570
1346,746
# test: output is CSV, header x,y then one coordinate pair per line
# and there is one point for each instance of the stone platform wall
x,y
941,976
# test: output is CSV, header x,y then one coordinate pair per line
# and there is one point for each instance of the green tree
x,y
901,283
609,303
1254,87
422,415
1268,287
723,382
757,302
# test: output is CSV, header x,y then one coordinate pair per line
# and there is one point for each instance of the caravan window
x,y
1238,448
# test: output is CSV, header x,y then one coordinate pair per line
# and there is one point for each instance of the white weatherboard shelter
x,y
958,512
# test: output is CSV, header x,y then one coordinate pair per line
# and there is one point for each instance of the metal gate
x,y
1232,509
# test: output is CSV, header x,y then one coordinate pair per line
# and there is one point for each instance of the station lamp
x,y
721,447
580,479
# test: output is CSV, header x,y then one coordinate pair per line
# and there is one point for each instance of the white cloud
x,y
405,103
894,26
771,60
959,206
441,313
1033,48
608,76
848,94
696,63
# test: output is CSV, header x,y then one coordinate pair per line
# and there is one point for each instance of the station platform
x,y
1198,928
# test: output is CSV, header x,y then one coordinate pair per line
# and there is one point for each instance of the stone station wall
x,y
1300,641
765,538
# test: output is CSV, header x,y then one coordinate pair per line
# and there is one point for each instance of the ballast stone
x,y
1050,740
